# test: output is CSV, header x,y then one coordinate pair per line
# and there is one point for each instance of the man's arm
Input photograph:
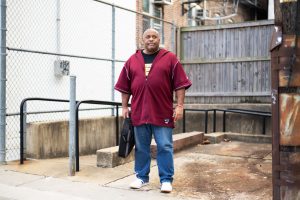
x,y
125,110
178,113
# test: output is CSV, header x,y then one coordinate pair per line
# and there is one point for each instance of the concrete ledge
x,y
215,137
108,157
181,141
249,138
220,136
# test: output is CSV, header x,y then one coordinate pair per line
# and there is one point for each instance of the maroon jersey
x,y
152,95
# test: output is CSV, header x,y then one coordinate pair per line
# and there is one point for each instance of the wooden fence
x,y
227,63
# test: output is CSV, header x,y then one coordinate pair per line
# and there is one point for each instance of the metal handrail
x,y
78,103
249,112
232,110
22,120
201,110
77,123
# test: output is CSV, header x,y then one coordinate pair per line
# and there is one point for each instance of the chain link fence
x,y
93,36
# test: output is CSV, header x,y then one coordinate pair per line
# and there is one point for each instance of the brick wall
x,y
172,13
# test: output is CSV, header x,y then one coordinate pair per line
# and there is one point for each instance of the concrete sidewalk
x,y
229,170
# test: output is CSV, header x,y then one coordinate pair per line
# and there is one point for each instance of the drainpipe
x,y
3,84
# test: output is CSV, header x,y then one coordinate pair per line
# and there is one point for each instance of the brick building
x,y
178,13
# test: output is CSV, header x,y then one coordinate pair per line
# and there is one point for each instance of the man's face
x,y
151,40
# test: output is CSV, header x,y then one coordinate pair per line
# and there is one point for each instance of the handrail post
x,y
21,133
206,116
77,136
214,121
224,121
183,121
24,129
264,125
117,125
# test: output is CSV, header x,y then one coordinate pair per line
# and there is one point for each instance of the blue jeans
x,y
164,141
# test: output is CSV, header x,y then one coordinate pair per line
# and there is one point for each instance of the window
x,y
146,6
158,24
148,22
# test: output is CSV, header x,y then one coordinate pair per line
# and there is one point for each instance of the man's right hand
x,y
125,112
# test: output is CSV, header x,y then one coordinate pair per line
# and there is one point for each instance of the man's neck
x,y
150,52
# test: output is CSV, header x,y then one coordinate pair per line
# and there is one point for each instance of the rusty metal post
x,y
285,73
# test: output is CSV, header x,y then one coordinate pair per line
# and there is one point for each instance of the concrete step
x,y
108,157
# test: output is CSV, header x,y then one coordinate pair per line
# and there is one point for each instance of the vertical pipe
x,y
173,36
72,126
3,84
58,28
214,121
113,53
183,121
117,125
24,129
179,42
77,136
206,116
224,121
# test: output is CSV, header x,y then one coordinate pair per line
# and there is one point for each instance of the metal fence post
x,y
3,84
113,53
72,125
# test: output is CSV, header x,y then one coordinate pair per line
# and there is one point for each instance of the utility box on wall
x,y
62,67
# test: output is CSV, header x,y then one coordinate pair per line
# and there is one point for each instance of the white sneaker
x,y
137,184
166,187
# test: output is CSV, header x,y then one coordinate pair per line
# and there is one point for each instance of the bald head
x,y
150,30
151,41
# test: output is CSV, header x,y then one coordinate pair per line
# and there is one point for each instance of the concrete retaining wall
x,y
50,139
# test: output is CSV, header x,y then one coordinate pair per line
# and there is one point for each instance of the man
x,y
150,76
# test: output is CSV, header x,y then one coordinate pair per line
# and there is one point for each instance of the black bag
x,y
126,142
